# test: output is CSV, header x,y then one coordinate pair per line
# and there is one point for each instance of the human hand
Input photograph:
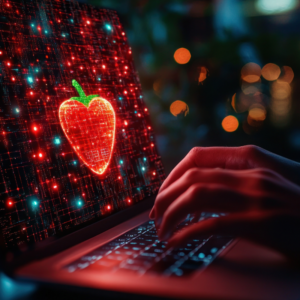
x,y
263,206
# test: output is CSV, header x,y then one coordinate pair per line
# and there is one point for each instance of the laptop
x,y
80,170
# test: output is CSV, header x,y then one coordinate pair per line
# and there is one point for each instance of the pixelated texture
x,y
46,186
90,130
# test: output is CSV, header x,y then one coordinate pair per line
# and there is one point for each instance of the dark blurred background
x,y
222,37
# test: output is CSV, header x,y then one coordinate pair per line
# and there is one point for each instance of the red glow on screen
x,y
108,207
129,201
55,187
90,129
40,155
154,173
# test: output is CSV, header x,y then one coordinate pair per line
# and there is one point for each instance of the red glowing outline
x,y
61,108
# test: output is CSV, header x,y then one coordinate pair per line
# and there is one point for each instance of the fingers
x,y
200,197
239,224
192,176
236,158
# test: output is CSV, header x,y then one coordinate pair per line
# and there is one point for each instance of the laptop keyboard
x,y
140,251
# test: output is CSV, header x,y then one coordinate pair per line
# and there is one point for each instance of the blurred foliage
x,y
156,29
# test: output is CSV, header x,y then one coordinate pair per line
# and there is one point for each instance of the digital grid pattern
x,y
46,185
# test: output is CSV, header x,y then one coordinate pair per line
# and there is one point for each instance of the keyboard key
x,y
139,250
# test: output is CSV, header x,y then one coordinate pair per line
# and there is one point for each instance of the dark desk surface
x,y
13,290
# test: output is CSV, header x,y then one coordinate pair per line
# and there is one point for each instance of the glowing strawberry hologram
x,y
89,124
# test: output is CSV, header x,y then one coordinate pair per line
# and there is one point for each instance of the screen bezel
x,y
54,245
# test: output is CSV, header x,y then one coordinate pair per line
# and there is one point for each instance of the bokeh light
x,y
275,6
270,72
233,101
182,56
179,107
257,113
287,74
250,89
251,72
202,75
280,90
230,123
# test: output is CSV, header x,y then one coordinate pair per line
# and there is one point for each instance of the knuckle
x,y
195,190
194,151
192,173
250,150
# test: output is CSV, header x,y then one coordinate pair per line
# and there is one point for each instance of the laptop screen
x,y
76,140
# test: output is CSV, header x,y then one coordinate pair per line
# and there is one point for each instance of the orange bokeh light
x,y
257,113
182,56
179,107
287,74
230,123
202,75
251,72
270,72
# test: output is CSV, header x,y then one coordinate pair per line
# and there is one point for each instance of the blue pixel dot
x,y
99,78
141,96
108,27
35,203
79,203
17,110
72,20
120,98
145,158
201,255
143,168
214,250
46,31
32,25
57,141
135,111
121,161
75,162
30,79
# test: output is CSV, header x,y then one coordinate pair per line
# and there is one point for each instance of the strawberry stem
x,y
78,88
85,100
